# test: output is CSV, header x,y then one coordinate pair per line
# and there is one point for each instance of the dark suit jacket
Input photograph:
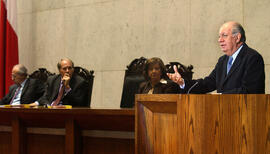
x,y
76,97
160,88
32,91
246,75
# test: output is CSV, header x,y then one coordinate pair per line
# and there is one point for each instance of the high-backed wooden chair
x,y
89,78
133,78
41,74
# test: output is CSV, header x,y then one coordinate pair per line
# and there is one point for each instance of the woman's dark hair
x,y
153,61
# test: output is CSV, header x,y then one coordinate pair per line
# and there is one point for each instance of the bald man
x,y
25,90
239,71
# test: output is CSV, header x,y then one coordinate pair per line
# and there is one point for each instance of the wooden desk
x,y
66,131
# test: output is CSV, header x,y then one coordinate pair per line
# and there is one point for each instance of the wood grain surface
x,y
203,124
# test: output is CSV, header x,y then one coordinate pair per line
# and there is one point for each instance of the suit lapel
x,y
13,92
25,87
224,70
56,88
236,63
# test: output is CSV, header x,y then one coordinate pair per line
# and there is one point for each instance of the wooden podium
x,y
202,124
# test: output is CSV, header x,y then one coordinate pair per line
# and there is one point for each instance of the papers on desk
x,y
60,107
16,106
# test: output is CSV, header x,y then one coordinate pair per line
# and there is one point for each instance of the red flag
x,y
8,43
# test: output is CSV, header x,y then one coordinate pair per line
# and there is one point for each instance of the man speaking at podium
x,y
239,71
25,90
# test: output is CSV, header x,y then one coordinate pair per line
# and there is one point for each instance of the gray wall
x,y
105,35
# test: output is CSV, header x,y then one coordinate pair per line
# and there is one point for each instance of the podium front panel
x,y
204,123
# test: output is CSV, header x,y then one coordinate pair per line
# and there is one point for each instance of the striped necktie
x,y
16,93
60,95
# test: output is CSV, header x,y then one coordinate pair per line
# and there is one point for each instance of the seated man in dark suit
x,y
240,70
25,90
65,88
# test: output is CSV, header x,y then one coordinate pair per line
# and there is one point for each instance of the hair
x,y
153,61
22,70
237,28
59,63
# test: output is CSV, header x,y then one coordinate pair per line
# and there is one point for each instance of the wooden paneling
x,y
5,142
45,144
266,142
232,124
156,122
41,130
144,130
107,146
198,118
18,136
166,138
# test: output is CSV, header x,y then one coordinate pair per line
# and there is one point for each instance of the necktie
x,y
229,64
16,93
59,97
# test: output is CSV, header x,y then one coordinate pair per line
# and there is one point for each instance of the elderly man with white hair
x,y
25,90
239,71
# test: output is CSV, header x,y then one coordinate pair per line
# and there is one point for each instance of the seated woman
x,y
157,81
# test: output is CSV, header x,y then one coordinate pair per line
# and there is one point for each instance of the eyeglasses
x,y
13,75
224,36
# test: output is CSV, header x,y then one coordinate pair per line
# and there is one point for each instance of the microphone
x,y
192,87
